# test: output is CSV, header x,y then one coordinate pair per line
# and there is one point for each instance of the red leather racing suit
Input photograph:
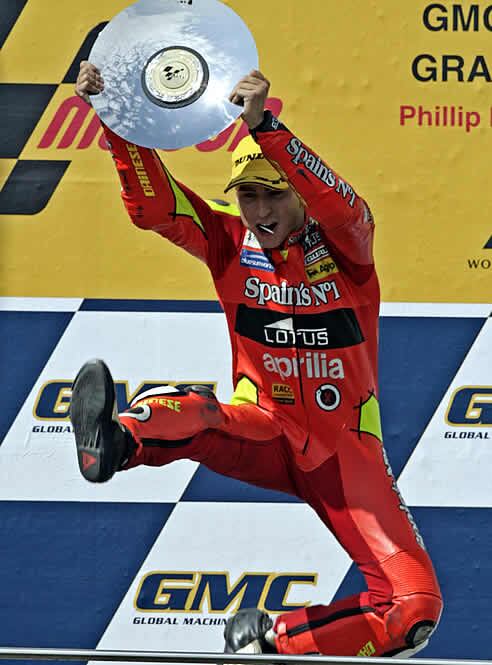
x,y
304,418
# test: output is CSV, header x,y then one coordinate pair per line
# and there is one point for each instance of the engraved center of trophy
x,y
175,76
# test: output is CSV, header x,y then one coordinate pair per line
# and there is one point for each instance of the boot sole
x,y
91,410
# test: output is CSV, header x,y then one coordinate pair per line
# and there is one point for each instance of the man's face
x,y
271,214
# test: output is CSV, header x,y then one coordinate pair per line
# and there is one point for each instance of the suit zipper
x,y
299,366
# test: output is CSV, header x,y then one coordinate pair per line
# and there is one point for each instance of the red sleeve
x,y
156,201
330,200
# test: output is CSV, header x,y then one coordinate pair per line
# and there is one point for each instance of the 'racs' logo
x,y
283,393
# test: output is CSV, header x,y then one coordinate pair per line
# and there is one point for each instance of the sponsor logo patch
x,y
315,255
324,330
321,269
328,397
312,237
283,393
311,365
172,404
252,256
303,157
302,295
317,258
138,165
367,650
282,334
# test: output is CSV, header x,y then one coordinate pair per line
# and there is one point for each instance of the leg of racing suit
x,y
241,442
356,496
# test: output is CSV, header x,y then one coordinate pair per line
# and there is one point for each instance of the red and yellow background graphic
x,y
393,95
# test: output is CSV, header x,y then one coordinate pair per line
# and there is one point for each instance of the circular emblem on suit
x,y
328,397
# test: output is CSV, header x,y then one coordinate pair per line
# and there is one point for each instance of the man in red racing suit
x,y
302,312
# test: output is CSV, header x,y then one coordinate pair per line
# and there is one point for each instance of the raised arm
x,y
343,215
155,200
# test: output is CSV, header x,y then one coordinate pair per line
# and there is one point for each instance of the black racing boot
x,y
103,444
249,631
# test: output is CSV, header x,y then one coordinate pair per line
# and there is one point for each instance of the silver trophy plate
x,y
168,68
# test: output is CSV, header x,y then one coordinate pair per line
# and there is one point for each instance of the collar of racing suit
x,y
279,254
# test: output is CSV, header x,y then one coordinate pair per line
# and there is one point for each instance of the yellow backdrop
x,y
355,80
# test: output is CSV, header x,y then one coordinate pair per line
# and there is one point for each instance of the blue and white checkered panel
x,y
158,558
454,452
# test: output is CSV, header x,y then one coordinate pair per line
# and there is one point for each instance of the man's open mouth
x,y
267,228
